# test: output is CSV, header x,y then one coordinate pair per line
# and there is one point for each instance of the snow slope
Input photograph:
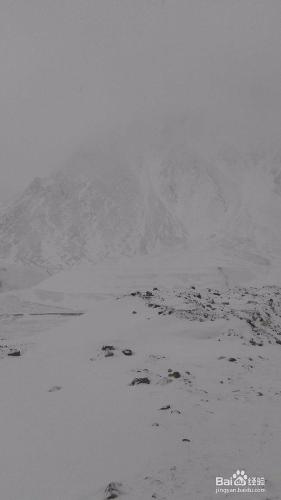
x,y
71,423
107,204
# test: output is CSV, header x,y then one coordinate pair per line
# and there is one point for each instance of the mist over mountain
x,y
111,200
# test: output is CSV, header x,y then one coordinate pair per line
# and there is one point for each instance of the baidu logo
x,y
240,482
240,478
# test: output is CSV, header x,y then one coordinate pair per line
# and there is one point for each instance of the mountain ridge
x,y
105,204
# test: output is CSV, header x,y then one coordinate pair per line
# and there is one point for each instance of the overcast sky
x,y
73,69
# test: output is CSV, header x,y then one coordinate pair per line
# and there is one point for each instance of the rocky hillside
x,y
106,204
82,214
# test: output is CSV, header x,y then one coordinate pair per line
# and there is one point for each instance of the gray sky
x,y
74,69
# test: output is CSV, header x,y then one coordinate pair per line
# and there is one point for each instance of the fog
x,y
74,72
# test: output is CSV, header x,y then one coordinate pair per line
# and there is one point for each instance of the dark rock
x,y
253,342
134,312
55,388
186,440
109,354
148,294
14,353
167,407
127,352
175,374
140,380
108,348
113,490
232,360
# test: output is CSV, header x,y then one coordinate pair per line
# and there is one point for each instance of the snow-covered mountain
x,y
106,204
86,212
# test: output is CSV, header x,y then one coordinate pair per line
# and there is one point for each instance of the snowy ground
x,y
75,419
